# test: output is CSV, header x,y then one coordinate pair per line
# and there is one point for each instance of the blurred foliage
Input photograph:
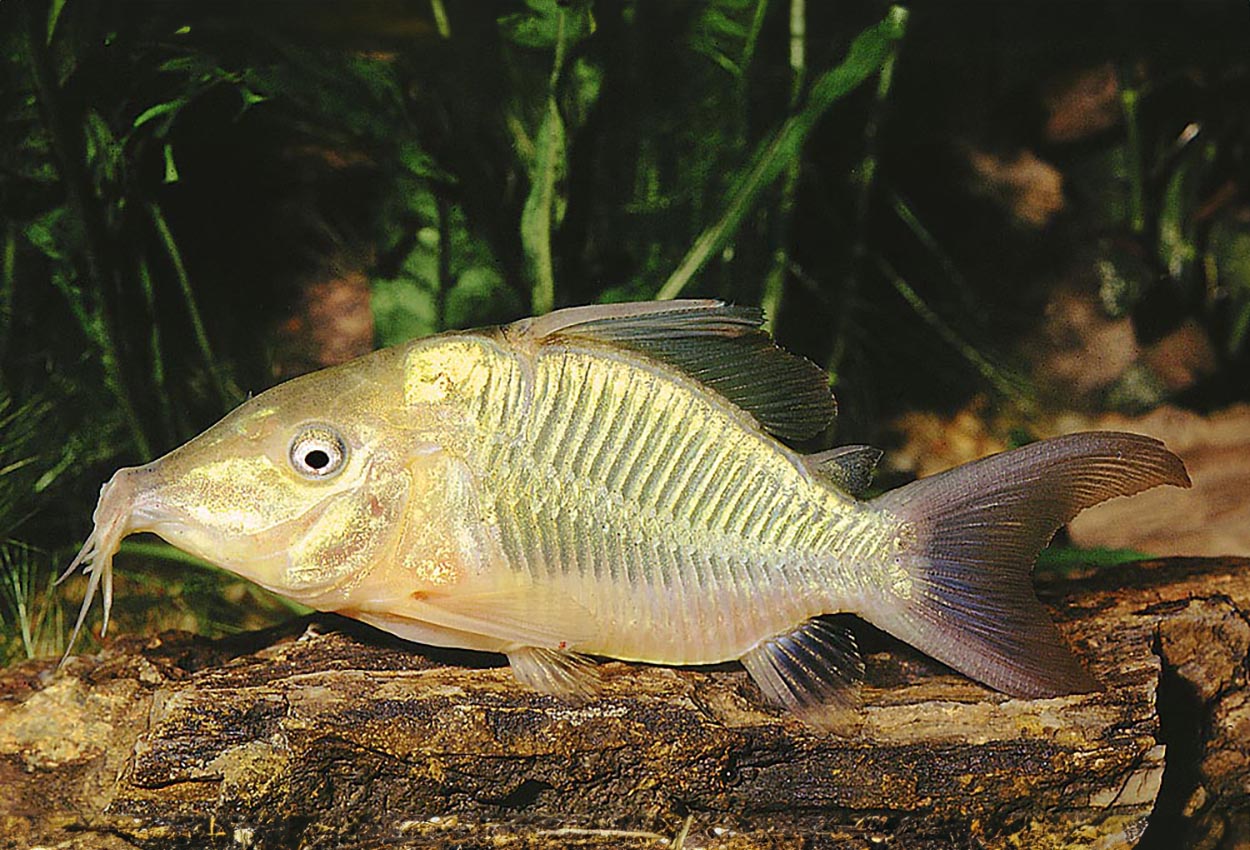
x,y
171,171
1170,202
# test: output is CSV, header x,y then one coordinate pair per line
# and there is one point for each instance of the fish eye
x,y
318,452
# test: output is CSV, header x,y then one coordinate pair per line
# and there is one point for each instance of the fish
x,y
619,481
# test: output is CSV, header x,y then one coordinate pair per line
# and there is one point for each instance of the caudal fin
x,y
978,529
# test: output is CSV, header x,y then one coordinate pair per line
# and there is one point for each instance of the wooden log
x,y
347,738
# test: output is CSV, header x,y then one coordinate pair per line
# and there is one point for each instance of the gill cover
x,y
347,533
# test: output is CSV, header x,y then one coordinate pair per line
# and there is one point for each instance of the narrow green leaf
x,y
1059,558
441,21
54,15
227,392
1239,331
867,54
182,65
157,111
1007,384
1134,155
1228,261
417,162
171,169
251,98
543,210
46,233
8,284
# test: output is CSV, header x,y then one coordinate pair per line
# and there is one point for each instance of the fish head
x,y
299,489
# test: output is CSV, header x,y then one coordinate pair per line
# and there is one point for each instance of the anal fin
x,y
814,671
557,672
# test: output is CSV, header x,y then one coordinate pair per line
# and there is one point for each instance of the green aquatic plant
x,y
32,619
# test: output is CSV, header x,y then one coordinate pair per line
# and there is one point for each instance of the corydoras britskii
x,y
608,481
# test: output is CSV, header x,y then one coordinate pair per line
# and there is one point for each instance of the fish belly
x,y
684,533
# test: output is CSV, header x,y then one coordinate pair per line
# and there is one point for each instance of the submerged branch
x,y
356,737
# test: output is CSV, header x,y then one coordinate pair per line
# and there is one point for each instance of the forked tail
x,y
978,529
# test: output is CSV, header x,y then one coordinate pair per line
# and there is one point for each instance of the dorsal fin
x,y
717,344
849,468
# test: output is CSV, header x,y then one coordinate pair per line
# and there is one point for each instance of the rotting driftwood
x,y
350,739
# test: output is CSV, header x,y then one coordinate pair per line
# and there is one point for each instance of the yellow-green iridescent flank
x,y
619,481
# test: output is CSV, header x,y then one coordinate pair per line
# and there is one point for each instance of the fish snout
x,y
135,492
127,502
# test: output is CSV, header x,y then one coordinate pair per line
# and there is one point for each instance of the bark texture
x,y
336,736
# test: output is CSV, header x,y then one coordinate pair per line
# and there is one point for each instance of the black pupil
x,y
317,459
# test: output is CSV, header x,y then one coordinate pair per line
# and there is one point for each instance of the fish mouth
x,y
115,517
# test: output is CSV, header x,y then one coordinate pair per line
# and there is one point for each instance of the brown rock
x,y
331,324
1082,103
1028,187
1077,351
1182,357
